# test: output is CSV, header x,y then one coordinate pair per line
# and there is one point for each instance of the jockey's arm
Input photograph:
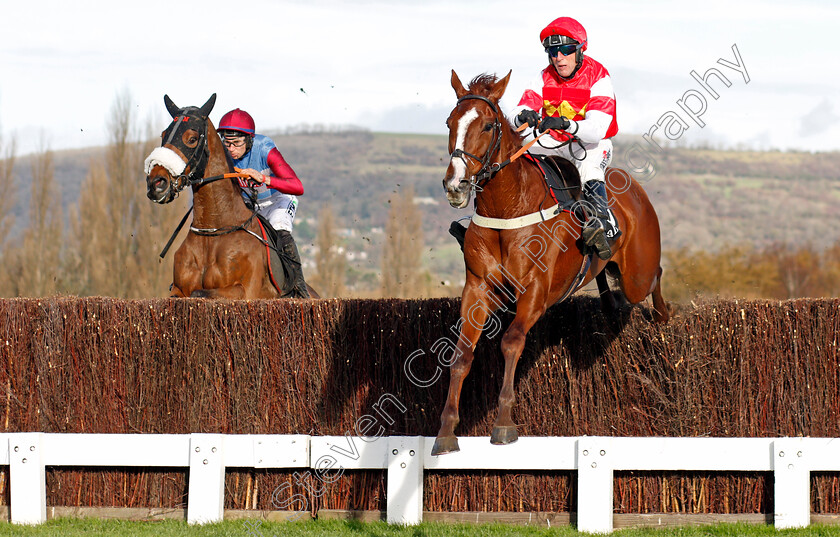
x,y
283,177
600,111
593,128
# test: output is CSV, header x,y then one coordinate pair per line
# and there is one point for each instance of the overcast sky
x,y
386,65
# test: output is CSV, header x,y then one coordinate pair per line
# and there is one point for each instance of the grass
x,y
338,528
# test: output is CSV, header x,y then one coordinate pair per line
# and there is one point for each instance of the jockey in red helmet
x,y
573,98
272,183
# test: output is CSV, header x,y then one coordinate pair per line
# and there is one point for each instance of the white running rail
x,y
406,458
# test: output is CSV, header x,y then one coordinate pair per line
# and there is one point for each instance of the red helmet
x,y
564,26
237,120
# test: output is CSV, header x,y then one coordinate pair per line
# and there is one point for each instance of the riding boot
x,y
459,232
295,286
601,228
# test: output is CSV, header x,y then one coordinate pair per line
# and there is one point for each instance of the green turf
x,y
254,528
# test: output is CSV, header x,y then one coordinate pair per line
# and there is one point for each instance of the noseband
x,y
487,169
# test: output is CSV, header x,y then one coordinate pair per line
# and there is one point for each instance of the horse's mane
x,y
482,85
228,158
231,167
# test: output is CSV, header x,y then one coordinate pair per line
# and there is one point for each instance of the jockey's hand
x,y
555,123
528,116
254,175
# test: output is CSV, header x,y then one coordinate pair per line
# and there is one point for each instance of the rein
x,y
211,232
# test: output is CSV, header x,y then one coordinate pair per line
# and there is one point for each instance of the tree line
x,y
779,271
107,243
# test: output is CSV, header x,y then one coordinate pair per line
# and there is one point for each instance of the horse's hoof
x,y
445,444
503,435
200,293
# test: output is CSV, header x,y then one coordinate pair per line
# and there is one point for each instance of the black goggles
x,y
565,50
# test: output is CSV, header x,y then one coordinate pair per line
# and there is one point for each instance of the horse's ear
x,y
499,89
170,106
207,107
457,86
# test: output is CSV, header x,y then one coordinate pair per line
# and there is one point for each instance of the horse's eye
x,y
488,127
190,139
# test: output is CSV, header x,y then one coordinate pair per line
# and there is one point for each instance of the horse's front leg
x,y
233,292
235,279
472,322
529,308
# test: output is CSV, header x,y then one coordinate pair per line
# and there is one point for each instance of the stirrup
x,y
595,237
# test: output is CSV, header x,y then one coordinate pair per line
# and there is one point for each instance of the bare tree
x,y
32,265
402,274
7,188
118,231
330,259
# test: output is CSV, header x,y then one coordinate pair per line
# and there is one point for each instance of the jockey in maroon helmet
x,y
271,182
573,98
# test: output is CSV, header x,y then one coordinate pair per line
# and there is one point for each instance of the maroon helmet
x,y
239,121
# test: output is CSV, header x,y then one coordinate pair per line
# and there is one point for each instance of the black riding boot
x,y
459,232
601,228
295,286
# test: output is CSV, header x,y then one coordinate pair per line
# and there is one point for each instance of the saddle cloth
x,y
277,271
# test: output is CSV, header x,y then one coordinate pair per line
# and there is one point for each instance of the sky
x,y
386,66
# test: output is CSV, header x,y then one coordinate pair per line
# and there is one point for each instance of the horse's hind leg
x,y
638,283
528,310
607,300
660,307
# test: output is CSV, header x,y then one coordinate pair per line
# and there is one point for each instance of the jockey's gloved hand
x,y
528,116
555,123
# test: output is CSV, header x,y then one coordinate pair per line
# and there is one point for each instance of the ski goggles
x,y
565,50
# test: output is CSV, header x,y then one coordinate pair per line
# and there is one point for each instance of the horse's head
x,y
183,152
475,134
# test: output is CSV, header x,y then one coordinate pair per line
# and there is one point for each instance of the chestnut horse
x,y
534,264
224,254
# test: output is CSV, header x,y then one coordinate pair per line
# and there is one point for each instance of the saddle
x,y
561,176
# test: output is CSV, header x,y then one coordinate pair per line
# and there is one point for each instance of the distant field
x,y
706,199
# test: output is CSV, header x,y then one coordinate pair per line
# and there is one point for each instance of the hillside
x,y
706,199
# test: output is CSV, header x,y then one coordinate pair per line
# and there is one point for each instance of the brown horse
x,y
223,255
534,264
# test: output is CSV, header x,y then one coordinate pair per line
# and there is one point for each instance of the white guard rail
x,y
405,458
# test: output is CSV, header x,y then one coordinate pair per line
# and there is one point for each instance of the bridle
x,y
197,157
487,170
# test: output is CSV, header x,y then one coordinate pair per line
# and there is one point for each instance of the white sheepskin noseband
x,y
162,156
